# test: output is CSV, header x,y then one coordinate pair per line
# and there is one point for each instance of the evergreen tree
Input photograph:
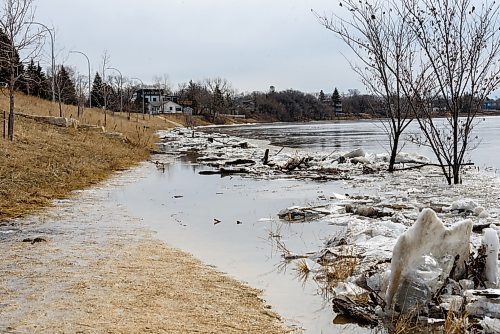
x,y
97,96
335,97
66,91
6,58
43,90
30,79
321,96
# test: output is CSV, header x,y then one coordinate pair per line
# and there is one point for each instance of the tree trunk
x,y
10,131
456,163
394,152
60,108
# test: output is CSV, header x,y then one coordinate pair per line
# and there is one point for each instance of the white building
x,y
170,107
156,102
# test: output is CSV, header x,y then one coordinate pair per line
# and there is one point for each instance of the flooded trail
x,y
184,208
87,265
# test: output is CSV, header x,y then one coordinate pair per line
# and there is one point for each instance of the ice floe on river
x,y
412,242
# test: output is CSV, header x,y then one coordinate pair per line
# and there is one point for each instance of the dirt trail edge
x,y
86,266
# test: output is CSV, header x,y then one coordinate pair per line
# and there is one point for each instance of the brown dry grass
x,y
404,323
456,322
46,162
340,269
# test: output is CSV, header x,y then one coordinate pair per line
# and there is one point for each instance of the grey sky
x,y
252,43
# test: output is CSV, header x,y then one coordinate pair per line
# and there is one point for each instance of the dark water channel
x,y
243,250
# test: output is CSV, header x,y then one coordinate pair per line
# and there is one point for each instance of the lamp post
x,y
142,88
53,58
121,91
90,86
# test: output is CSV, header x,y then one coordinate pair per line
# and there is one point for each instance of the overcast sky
x,y
251,43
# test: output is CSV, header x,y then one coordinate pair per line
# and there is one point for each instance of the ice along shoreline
x,y
391,204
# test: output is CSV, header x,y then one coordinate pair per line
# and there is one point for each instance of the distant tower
x,y
272,89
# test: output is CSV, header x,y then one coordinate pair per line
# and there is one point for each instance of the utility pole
x,y
53,58
90,86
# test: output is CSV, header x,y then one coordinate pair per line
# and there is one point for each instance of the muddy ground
x,y
96,269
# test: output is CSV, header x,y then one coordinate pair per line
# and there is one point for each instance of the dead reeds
x,y
457,321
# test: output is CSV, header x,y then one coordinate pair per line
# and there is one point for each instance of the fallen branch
x,y
422,164
224,171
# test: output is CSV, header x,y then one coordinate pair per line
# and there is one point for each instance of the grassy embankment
x,y
45,162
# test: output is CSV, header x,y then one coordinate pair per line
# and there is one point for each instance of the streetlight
x,y
90,86
53,58
142,88
121,92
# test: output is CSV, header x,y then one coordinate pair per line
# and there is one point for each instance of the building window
x,y
178,109
154,99
146,99
171,108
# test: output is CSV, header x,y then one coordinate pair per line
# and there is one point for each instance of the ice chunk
x,y
338,196
424,256
360,160
482,303
490,325
356,153
490,240
464,205
484,214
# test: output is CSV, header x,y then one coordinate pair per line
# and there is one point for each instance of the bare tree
x,y
460,42
218,88
163,82
379,38
81,85
22,43
105,87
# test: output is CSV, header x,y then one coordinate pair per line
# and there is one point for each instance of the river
x,y
367,134
181,207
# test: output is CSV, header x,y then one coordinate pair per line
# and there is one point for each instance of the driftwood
x,y
367,211
240,162
424,164
295,214
224,171
362,314
295,163
241,145
478,228
265,160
